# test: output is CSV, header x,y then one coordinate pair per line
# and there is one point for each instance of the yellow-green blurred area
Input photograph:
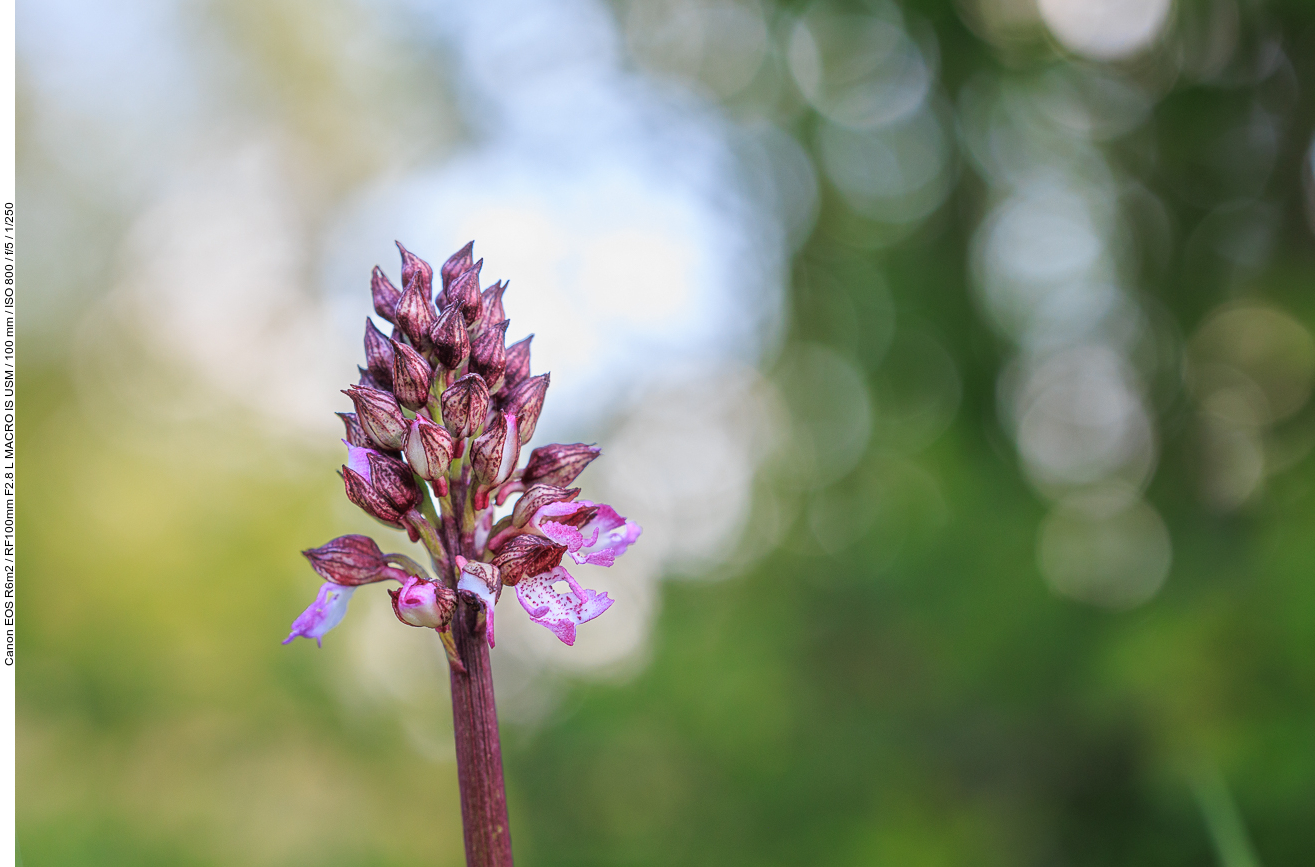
x,y
956,358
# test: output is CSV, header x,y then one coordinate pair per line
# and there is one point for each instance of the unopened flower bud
x,y
423,603
378,355
494,453
482,581
363,494
526,401
488,354
351,561
379,415
491,311
518,364
354,434
429,450
386,295
412,376
558,464
367,380
449,338
465,404
457,264
415,314
414,268
394,481
536,498
526,556
464,292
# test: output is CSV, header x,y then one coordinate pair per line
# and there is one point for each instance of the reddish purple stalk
x,y
479,753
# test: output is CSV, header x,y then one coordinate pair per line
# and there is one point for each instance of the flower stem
x,y
479,753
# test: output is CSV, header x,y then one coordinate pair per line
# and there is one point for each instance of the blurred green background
x,y
1013,561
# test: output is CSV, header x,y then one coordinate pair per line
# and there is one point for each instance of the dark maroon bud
x,y
465,404
393,480
494,453
488,354
526,401
351,561
354,433
415,315
379,415
367,380
414,268
526,556
457,264
464,293
412,376
385,294
518,364
378,355
429,451
363,494
536,498
558,464
449,338
491,311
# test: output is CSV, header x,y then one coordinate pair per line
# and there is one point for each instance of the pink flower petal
x,y
559,612
323,614
358,459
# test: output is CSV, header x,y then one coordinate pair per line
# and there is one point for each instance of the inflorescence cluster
x,y
443,407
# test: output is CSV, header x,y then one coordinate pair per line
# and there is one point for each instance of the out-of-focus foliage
x,y
1028,569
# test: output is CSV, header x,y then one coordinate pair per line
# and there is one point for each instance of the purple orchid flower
x,y
323,614
558,611
598,541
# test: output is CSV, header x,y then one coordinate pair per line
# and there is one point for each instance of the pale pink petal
x,y
358,459
323,614
563,535
610,534
558,611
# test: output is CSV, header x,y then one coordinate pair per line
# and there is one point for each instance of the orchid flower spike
x,y
442,411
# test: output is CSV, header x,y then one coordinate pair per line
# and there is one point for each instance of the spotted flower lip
x,y
324,613
560,612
